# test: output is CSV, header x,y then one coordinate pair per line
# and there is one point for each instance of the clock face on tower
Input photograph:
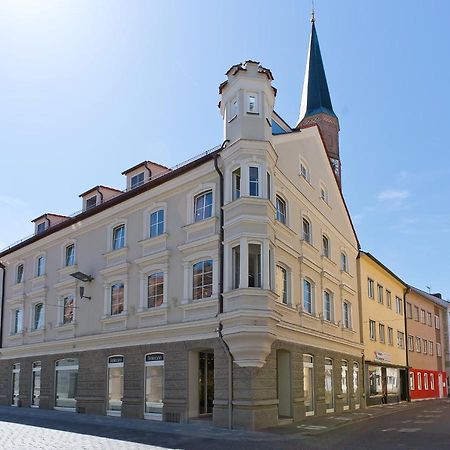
x,y
335,164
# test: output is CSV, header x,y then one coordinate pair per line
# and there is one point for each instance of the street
x,y
413,427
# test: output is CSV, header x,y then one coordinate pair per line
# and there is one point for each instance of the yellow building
x,y
382,318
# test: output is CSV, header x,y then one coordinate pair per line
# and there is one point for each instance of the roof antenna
x,y
429,289
313,19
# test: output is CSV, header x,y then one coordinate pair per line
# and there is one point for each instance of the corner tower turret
x,y
316,107
247,102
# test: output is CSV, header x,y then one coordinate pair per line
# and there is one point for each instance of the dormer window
x,y
91,202
252,103
137,180
40,227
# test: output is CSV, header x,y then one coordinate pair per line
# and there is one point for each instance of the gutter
x,y
3,267
221,276
408,393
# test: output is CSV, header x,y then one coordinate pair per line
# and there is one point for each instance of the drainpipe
x,y
48,221
149,171
221,271
408,393
99,193
3,267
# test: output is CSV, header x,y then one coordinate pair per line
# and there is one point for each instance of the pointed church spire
x,y
316,107
316,96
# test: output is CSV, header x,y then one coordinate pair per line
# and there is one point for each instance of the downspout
x,y
3,267
100,193
408,393
221,276
149,171
48,221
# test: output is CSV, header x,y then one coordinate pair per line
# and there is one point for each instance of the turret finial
x,y
313,18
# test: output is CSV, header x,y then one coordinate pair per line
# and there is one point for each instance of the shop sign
x,y
382,356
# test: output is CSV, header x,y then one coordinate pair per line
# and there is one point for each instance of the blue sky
x,y
90,88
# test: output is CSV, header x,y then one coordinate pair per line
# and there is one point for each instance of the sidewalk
x,y
315,425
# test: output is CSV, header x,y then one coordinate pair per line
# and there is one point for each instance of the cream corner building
x,y
225,287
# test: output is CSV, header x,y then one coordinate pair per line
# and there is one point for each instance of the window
x,y
372,330
40,266
91,202
381,332
137,180
423,316
66,382
344,385
374,380
344,262
392,380
69,259
306,228
438,349
329,385
431,347
17,325
40,228
416,313
308,384
118,237
269,184
437,322
410,343
388,299
281,210
327,306
157,223
15,385
355,378
253,181
400,339
154,385
347,314
304,171
307,296
390,336
418,345
282,284
252,103
254,265
429,320
236,183
234,109
432,381
117,298
411,381
419,381
38,316
370,287
35,384
236,262
68,309
325,246
380,290
202,279
19,274
203,206
324,193
424,346
409,310
399,305
155,285
115,384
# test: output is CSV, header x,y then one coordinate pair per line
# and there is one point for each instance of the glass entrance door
x,y
206,382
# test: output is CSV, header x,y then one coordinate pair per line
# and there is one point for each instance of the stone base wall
x,y
255,390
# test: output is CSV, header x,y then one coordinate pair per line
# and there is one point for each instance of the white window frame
x,y
279,199
256,109
438,349
303,170
258,182
326,251
370,288
344,261
16,272
19,329
118,243
37,267
307,237
64,247
372,330
286,292
349,310
235,192
33,315
190,201
437,322
62,307
313,287
324,193
327,292
399,305
139,183
233,108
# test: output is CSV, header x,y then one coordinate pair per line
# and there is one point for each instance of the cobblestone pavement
x,y
15,436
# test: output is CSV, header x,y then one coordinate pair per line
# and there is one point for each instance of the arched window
x,y
69,255
281,210
282,284
156,225
203,204
19,273
306,230
325,246
308,296
328,306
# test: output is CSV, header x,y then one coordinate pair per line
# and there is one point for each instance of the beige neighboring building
x,y
225,287
383,331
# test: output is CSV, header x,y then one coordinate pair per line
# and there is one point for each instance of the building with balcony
x,y
225,287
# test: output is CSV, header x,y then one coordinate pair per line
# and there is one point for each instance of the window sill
x,y
13,336
36,332
155,240
110,318
18,286
116,253
65,327
66,270
40,278
156,310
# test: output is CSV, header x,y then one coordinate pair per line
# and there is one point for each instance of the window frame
x,y
326,250
69,260
201,287
284,296
307,234
121,285
311,284
118,242
160,229
304,171
253,182
139,182
370,288
206,210
41,316
161,294
40,264
19,279
329,295
236,183
344,262
372,330
280,204
347,319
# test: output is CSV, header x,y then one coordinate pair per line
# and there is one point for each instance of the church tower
x,y
316,107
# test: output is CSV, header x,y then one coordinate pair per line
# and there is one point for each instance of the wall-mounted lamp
x,y
82,294
85,279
